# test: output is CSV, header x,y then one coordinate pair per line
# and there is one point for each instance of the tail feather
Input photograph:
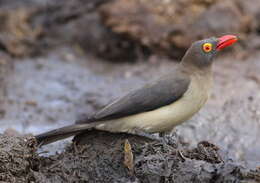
x,y
62,133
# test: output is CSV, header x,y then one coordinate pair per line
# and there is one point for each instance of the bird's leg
x,y
170,138
146,135
165,136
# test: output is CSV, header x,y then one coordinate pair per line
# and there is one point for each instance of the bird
x,y
159,105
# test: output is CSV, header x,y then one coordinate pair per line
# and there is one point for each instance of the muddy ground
x,y
60,61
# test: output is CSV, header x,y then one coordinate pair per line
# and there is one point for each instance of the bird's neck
x,y
203,77
192,69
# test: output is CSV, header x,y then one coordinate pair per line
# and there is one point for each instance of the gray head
x,y
201,53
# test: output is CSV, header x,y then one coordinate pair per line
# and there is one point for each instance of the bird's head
x,y
201,53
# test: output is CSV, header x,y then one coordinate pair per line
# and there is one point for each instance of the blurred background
x,y
60,60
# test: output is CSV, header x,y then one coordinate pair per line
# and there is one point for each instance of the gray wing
x,y
154,95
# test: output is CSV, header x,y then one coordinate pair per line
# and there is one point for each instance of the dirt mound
x,y
97,156
103,157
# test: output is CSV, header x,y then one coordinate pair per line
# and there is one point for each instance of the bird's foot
x,y
181,155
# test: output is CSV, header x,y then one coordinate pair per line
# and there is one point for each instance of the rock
x,y
29,28
121,29
17,35
169,27
222,18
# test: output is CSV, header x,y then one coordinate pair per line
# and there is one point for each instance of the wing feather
x,y
161,92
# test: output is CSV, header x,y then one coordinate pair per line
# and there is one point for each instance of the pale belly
x,y
164,118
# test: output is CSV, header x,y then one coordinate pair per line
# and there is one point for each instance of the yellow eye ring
x,y
207,47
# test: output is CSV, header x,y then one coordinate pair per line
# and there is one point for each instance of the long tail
x,y
62,133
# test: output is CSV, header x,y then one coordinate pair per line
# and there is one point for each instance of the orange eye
x,y
207,47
